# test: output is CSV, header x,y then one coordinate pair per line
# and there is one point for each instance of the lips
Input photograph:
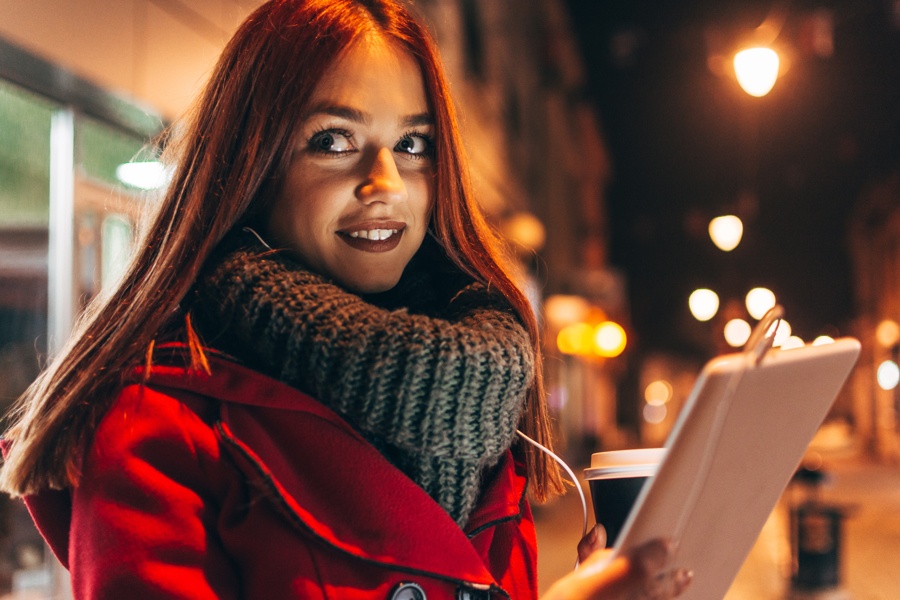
x,y
380,236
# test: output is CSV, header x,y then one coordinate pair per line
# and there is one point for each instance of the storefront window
x,y
24,219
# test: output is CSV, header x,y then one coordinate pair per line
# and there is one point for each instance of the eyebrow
x,y
358,116
419,119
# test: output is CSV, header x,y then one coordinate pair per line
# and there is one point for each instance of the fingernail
x,y
593,534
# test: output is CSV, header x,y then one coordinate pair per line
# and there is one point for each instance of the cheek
x,y
306,202
421,196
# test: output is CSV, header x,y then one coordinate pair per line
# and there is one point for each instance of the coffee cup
x,y
616,478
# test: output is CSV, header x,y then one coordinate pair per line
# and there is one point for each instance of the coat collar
x,y
328,481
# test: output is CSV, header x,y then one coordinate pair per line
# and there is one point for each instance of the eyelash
x,y
313,147
429,144
427,138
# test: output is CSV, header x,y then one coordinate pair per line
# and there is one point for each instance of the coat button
x,y
467,593
408,591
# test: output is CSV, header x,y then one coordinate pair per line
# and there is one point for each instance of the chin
x,y
370,286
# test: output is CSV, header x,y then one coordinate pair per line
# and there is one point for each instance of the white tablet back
x,y
737,442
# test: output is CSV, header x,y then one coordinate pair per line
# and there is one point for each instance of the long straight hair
x,y
231,158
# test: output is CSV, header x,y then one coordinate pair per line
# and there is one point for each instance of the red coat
x,y
238,486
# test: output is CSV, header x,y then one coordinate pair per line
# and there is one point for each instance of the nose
x,y
383,182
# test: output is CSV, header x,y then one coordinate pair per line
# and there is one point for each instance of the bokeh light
x,y
822,340
888,375
655,414
793,342
609,339
726,232
703,304
782,335
887,333
575,339
658,393
562,310
756,70
759,301
148,175
526,230
737,331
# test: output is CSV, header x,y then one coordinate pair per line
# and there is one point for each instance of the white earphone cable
x,y
571,474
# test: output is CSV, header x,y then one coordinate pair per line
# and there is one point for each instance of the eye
x,y
417,144
331,141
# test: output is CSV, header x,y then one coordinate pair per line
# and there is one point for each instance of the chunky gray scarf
x,y
434,372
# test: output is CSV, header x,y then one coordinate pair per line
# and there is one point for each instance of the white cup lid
x,y
640,462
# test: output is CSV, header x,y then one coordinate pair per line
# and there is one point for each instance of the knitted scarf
x,y
433,372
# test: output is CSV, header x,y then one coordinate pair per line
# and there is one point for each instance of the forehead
x,y
373,74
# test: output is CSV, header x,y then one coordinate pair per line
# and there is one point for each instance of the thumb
x,y
593,541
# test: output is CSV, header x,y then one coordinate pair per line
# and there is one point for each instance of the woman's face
x,y
357,196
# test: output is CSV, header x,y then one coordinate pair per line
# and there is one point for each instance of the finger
x,y
652,558
593,541
664,586
681,580
651,563
602,576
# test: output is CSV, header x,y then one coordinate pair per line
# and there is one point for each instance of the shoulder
x,y
170,429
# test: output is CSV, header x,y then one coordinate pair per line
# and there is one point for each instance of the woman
x,y
347,429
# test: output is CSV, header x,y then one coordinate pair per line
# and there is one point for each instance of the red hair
x,y
231,158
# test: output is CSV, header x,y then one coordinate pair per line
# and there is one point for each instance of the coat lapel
x,y
329,482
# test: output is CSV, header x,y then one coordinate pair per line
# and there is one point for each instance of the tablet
x,y
737,442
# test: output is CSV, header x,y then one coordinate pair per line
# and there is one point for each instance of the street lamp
x,y
756,70
726,232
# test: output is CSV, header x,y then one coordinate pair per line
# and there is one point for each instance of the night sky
x,y
688,145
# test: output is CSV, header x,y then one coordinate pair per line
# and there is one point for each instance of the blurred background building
x,y
85,87
875,244
604,139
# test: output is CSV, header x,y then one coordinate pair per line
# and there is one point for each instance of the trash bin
x,y
818,547
816,536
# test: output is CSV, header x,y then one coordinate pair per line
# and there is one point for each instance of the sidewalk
x,y
871,540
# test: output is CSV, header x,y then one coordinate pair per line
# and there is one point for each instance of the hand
x,y
594,541
641,576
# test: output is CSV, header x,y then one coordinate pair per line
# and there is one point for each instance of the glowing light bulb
x,y
609,339
737,332
888,375
759,301
726,232
756,70
703,304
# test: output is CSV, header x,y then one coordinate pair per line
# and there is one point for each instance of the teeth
x,y
375,234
